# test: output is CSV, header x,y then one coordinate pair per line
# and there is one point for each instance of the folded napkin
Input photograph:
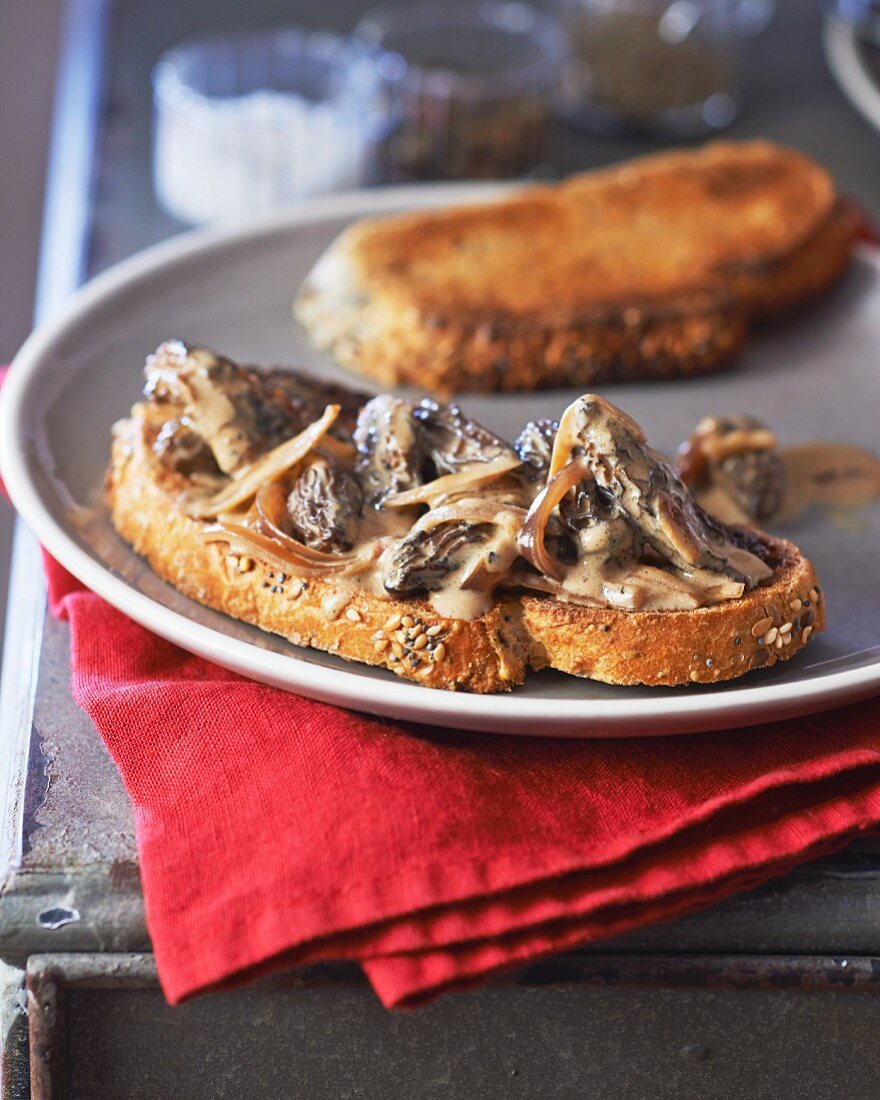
x,y
273,830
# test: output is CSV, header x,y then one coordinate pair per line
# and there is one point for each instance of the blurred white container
x,y
244,122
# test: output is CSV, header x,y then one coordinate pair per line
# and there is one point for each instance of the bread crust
x,y
682,251
488,654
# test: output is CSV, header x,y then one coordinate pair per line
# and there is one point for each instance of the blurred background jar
x,y
471,87
245,122
668,68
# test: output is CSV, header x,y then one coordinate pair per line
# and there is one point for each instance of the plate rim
x,y
513,713
840,45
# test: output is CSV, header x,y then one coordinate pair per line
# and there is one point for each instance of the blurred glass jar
x,y
669,67
244,122
471,86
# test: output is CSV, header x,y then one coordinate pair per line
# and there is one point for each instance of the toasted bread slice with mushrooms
x,y
703,646
649,270
486,654
436,550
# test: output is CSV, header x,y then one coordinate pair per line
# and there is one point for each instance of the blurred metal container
x,y
246,121
668,67
472,86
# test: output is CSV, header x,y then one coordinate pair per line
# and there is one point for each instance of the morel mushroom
x,y
304,398
635,483
183,450
324,506
389,456
453,440
738,455
534,445
586,505
470,538
221,402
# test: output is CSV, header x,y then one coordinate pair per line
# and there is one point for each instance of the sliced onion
x,y
338,448
242,540
725,590
565,442
477,474
250,478
642,586
531,538
473,509
288,555
498,554
236,516
690,461
271,505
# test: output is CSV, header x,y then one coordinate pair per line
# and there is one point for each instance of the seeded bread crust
x,y
488,654
704,646
649,270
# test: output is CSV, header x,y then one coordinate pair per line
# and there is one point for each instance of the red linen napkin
x,y
273,830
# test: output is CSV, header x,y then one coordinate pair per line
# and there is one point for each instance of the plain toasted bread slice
x,y
651,269
488,654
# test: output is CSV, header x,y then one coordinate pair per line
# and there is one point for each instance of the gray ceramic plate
x,y
813,378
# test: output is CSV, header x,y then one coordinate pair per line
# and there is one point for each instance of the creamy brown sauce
x,y
836,477
458,603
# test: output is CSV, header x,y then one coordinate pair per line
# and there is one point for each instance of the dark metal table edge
x,y
62,266
67,216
